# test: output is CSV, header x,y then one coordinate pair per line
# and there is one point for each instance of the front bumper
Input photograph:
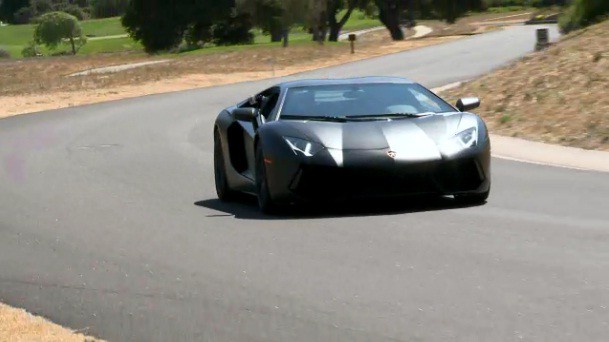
x,y
372,173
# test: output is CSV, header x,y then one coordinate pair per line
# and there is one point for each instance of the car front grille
x,y
336,182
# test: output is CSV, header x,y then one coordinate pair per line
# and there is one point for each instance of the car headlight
x,y
460,141
304,147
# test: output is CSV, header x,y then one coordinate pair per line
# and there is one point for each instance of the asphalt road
x,y
109,223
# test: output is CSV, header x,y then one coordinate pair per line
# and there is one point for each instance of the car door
x,y
265,102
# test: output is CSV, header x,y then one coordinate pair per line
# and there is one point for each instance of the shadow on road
x,y
246,208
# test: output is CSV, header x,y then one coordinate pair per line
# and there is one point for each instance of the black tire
x,y
265,202
225,193
473,198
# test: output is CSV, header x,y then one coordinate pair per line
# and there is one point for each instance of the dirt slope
x,y
18,325
560,95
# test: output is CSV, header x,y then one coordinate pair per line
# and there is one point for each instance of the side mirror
x,y
245,114
468,103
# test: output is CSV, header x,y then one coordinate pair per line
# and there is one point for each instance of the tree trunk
x,y
389,14
286,37
334,33
318,36
276,35
337,25
73,45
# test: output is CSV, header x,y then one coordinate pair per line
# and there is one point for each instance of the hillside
x,y
559,96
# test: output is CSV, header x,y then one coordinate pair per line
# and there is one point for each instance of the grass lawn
x,y
110,45
15,38
103,27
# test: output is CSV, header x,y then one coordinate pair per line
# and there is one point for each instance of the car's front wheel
x,y
265,201
225,193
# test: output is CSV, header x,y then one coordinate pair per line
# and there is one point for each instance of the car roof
x,y
339,81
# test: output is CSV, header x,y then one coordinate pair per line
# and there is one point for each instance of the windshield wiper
x,y
314,118
390,115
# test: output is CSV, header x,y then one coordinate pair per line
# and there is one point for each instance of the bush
x,y
31,50
4,54
583,13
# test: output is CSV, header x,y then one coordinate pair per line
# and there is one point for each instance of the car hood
x,y
410,138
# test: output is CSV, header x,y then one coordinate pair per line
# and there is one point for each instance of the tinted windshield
x,y
361,100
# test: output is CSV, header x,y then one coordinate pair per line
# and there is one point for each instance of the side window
x,y
248,104
268,104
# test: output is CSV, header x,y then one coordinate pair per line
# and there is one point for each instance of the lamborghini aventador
x,y
343,139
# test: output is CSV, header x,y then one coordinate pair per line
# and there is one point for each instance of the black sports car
x,y
315,140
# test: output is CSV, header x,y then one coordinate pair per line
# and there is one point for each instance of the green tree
x,y
582,13
296,12
220,21
55,27
233,30
286,14
157,24
265,14
163,24
8,8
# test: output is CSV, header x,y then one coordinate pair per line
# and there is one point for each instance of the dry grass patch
x,y
17,325
557,96
43,83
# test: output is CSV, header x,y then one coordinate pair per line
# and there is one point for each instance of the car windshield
x,y
376,100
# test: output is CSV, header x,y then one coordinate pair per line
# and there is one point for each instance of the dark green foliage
x,y
266,14
40,7
108,8
158,24
8,8
197,35
23,16
76,11
54,27
583,13
234,30
34,8
451,10
163,24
